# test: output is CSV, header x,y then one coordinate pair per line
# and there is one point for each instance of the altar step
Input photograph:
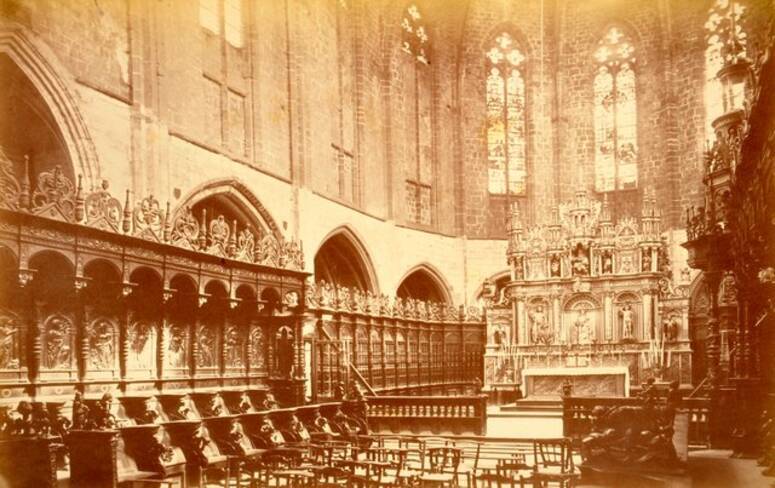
x,y
542,404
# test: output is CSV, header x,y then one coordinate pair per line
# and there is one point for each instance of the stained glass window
x,y
615,113
727,41
230,22
233,22
210,15
505,97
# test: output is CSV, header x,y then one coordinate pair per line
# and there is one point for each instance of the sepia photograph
x,y
387,243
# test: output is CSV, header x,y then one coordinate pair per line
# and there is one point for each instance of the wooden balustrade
x,y
428,414
578,415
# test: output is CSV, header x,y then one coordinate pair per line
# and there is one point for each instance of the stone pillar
x,y
557,318
521,334
646,332
609,319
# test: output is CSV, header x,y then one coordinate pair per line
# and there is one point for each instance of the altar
x,y
547,383
599,302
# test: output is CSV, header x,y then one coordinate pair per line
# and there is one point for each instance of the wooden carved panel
x,y
234,346
207,346
11,343
58,342
142,346
102,338
257,349
177,345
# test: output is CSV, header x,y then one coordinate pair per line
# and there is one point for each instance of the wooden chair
x,y
276,471
443,463
554,463
495,479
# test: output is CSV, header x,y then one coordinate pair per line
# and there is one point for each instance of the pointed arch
x,y
54,85
232,198
343,259
424,282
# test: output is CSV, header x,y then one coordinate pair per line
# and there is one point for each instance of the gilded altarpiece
x,y
590,301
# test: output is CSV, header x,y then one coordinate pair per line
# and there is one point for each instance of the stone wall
x,y
322,89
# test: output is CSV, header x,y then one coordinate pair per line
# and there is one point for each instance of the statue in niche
x,y
580,261
540,330
607,262
285,352
646,261
670,327
627,317
554,267
499,337
8,340
58,350
584,332
176,351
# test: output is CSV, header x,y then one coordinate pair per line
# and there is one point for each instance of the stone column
x,y
520,335
557,318
646,323
611,332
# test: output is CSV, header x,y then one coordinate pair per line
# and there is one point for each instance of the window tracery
x,y
615,113
505,97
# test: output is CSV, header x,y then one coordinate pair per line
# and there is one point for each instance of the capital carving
x,y
25,276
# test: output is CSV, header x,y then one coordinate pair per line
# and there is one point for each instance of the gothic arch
x,y
234,195
424,282
343,259
54,84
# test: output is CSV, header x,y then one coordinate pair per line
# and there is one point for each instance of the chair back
x,y
553,453
490,479
443,459
415,451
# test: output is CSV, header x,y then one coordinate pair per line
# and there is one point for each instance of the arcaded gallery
x,y
387,243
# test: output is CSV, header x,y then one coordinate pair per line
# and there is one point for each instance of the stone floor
x,y
708,468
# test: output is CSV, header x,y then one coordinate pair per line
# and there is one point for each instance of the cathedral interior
x,y
379,243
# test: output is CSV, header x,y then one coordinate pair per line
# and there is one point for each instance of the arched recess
x,y
342,259
42,93
424,282
233,200
699,314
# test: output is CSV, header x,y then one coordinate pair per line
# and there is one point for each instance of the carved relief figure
x,y
583,327
101,347
233,343
140,345
176,351
257,348
58,351
627,317
9,357
540,329
206,343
